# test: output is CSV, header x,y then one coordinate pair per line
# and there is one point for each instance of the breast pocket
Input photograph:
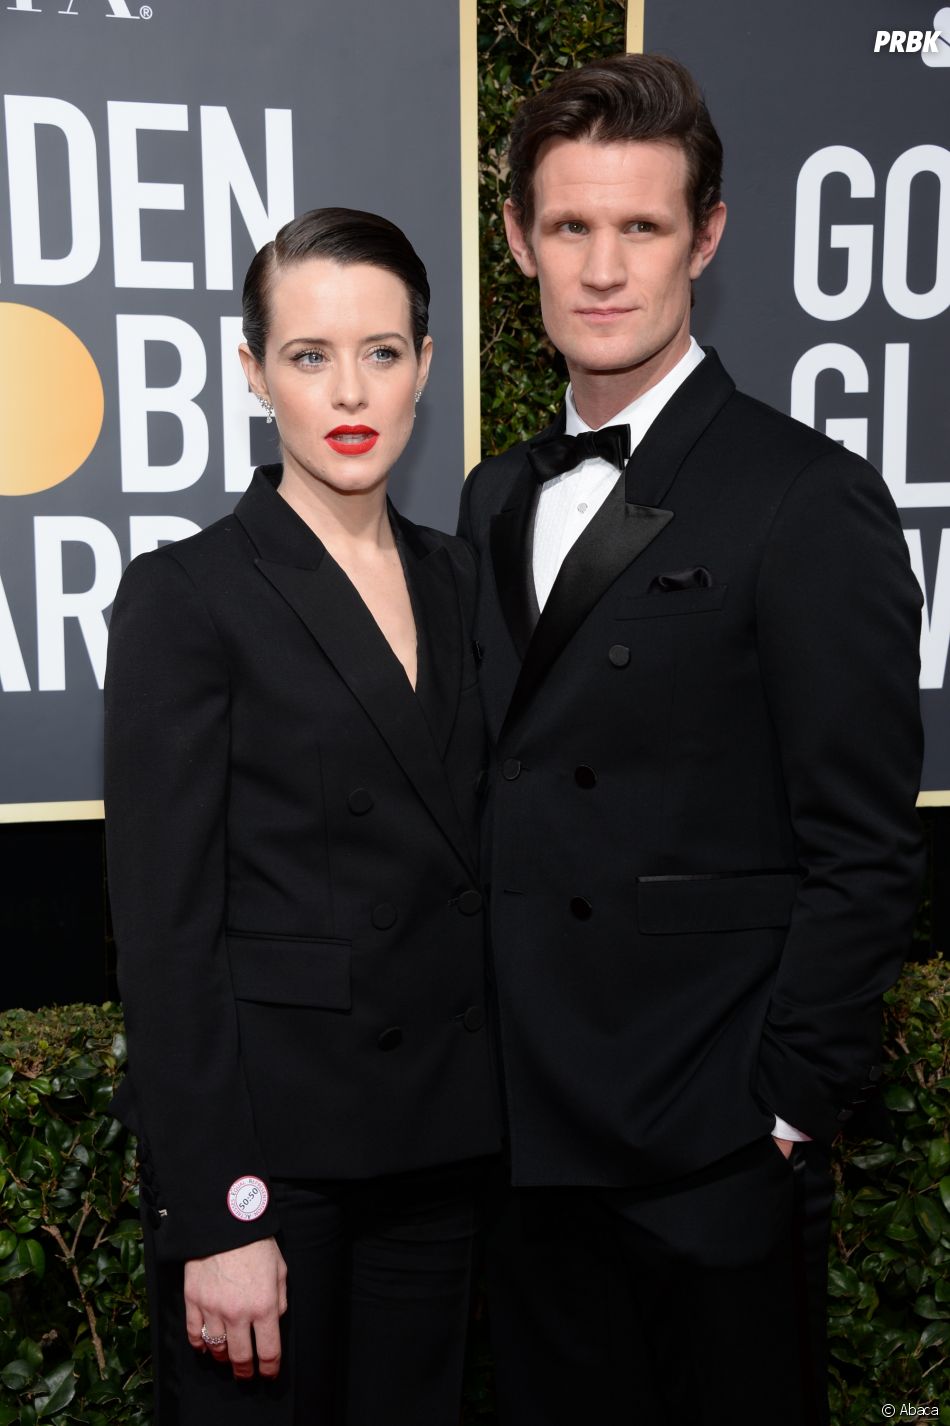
x,y
290,970
661,605
691,905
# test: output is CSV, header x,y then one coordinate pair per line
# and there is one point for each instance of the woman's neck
x,y
355,520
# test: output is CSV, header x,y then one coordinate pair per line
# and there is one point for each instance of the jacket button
x,y
619,655
469,903
581,908
844,1115
585,776
510,769
390,1039
477,651
384,916
474,1018
359,801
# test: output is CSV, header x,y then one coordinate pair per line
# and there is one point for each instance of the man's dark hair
x,y
646,97
345,235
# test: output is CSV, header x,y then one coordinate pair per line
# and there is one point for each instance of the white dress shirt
x,y
569,502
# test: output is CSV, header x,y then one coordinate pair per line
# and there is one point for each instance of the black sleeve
x,y
838,630
166,788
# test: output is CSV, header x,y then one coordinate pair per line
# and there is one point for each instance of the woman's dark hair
x,y
628,96
344,235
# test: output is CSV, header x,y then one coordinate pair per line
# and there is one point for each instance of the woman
x,y
293,741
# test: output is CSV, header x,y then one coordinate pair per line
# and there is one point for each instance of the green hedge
x,y
73,1331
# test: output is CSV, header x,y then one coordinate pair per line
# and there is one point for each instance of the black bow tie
x,y
561,453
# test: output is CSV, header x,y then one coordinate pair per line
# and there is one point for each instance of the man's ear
x,y
520,247
706,240
253,371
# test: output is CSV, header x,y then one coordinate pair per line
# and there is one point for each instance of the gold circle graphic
x,y
51,401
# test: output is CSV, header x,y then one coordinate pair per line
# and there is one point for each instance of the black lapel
x,y
628,521
618,533
295,562
435,603
511,549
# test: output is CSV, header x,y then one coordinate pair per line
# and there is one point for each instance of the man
x,y
699,634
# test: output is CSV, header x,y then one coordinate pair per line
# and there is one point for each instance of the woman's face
x,y
341,371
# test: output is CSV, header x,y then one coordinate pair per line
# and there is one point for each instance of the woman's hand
x,y
233,1293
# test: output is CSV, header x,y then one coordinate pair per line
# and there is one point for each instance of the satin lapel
x,y
511,545
618,533
435,603
655,463
297,565
628,521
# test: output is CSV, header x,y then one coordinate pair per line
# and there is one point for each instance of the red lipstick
x,y
351,440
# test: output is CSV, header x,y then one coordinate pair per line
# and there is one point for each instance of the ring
x,y
211,1341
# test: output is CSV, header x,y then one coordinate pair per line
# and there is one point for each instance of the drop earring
x,y
268,408
415,413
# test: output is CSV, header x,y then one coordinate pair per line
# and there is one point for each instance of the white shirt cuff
x,y
785,1131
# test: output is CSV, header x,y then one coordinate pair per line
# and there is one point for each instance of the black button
x,y
619,655
469,902
581,908
844,1115
359,801
510,769
390,1039
384,916
474,1018
585,776
478,651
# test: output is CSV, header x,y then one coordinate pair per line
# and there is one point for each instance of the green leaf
x,y
8,1242
17,1375
59,1387
938,1157
935,1332
899,1099
927,1307
944,1186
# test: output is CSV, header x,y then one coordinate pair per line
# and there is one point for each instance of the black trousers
x,y
703,1299
378,1277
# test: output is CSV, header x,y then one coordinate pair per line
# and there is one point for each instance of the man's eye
x,y
642,226
573,225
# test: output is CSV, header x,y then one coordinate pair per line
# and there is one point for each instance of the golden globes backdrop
x,y
146,152
829,295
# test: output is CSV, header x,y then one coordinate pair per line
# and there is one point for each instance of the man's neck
x,y
600,395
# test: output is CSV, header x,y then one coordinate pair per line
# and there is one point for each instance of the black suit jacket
x,y
291,841
704,850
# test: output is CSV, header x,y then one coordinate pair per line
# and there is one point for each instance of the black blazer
x,y
291,843
704,848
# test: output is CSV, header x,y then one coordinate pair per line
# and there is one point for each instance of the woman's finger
x,y
239,1349
193,1321
267,1341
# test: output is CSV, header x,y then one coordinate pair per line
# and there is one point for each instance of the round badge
x,y
247,1198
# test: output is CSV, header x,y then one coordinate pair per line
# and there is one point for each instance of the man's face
x,y
614,251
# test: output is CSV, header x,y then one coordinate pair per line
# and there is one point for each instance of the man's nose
x,y
604,266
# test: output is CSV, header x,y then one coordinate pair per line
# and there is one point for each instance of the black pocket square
x,y
698,578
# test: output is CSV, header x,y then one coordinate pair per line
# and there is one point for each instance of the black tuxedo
x,y
702,844
291,840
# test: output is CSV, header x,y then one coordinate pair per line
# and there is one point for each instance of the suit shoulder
x,y
759,423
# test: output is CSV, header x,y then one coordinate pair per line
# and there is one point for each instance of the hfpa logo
x,y
118,9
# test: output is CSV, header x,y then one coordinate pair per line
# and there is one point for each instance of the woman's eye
x,y
384,356
311,358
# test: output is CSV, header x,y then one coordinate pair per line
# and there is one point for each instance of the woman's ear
x,y
253,371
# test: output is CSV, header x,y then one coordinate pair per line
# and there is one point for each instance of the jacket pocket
x,y
739,901
673,601
278,970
